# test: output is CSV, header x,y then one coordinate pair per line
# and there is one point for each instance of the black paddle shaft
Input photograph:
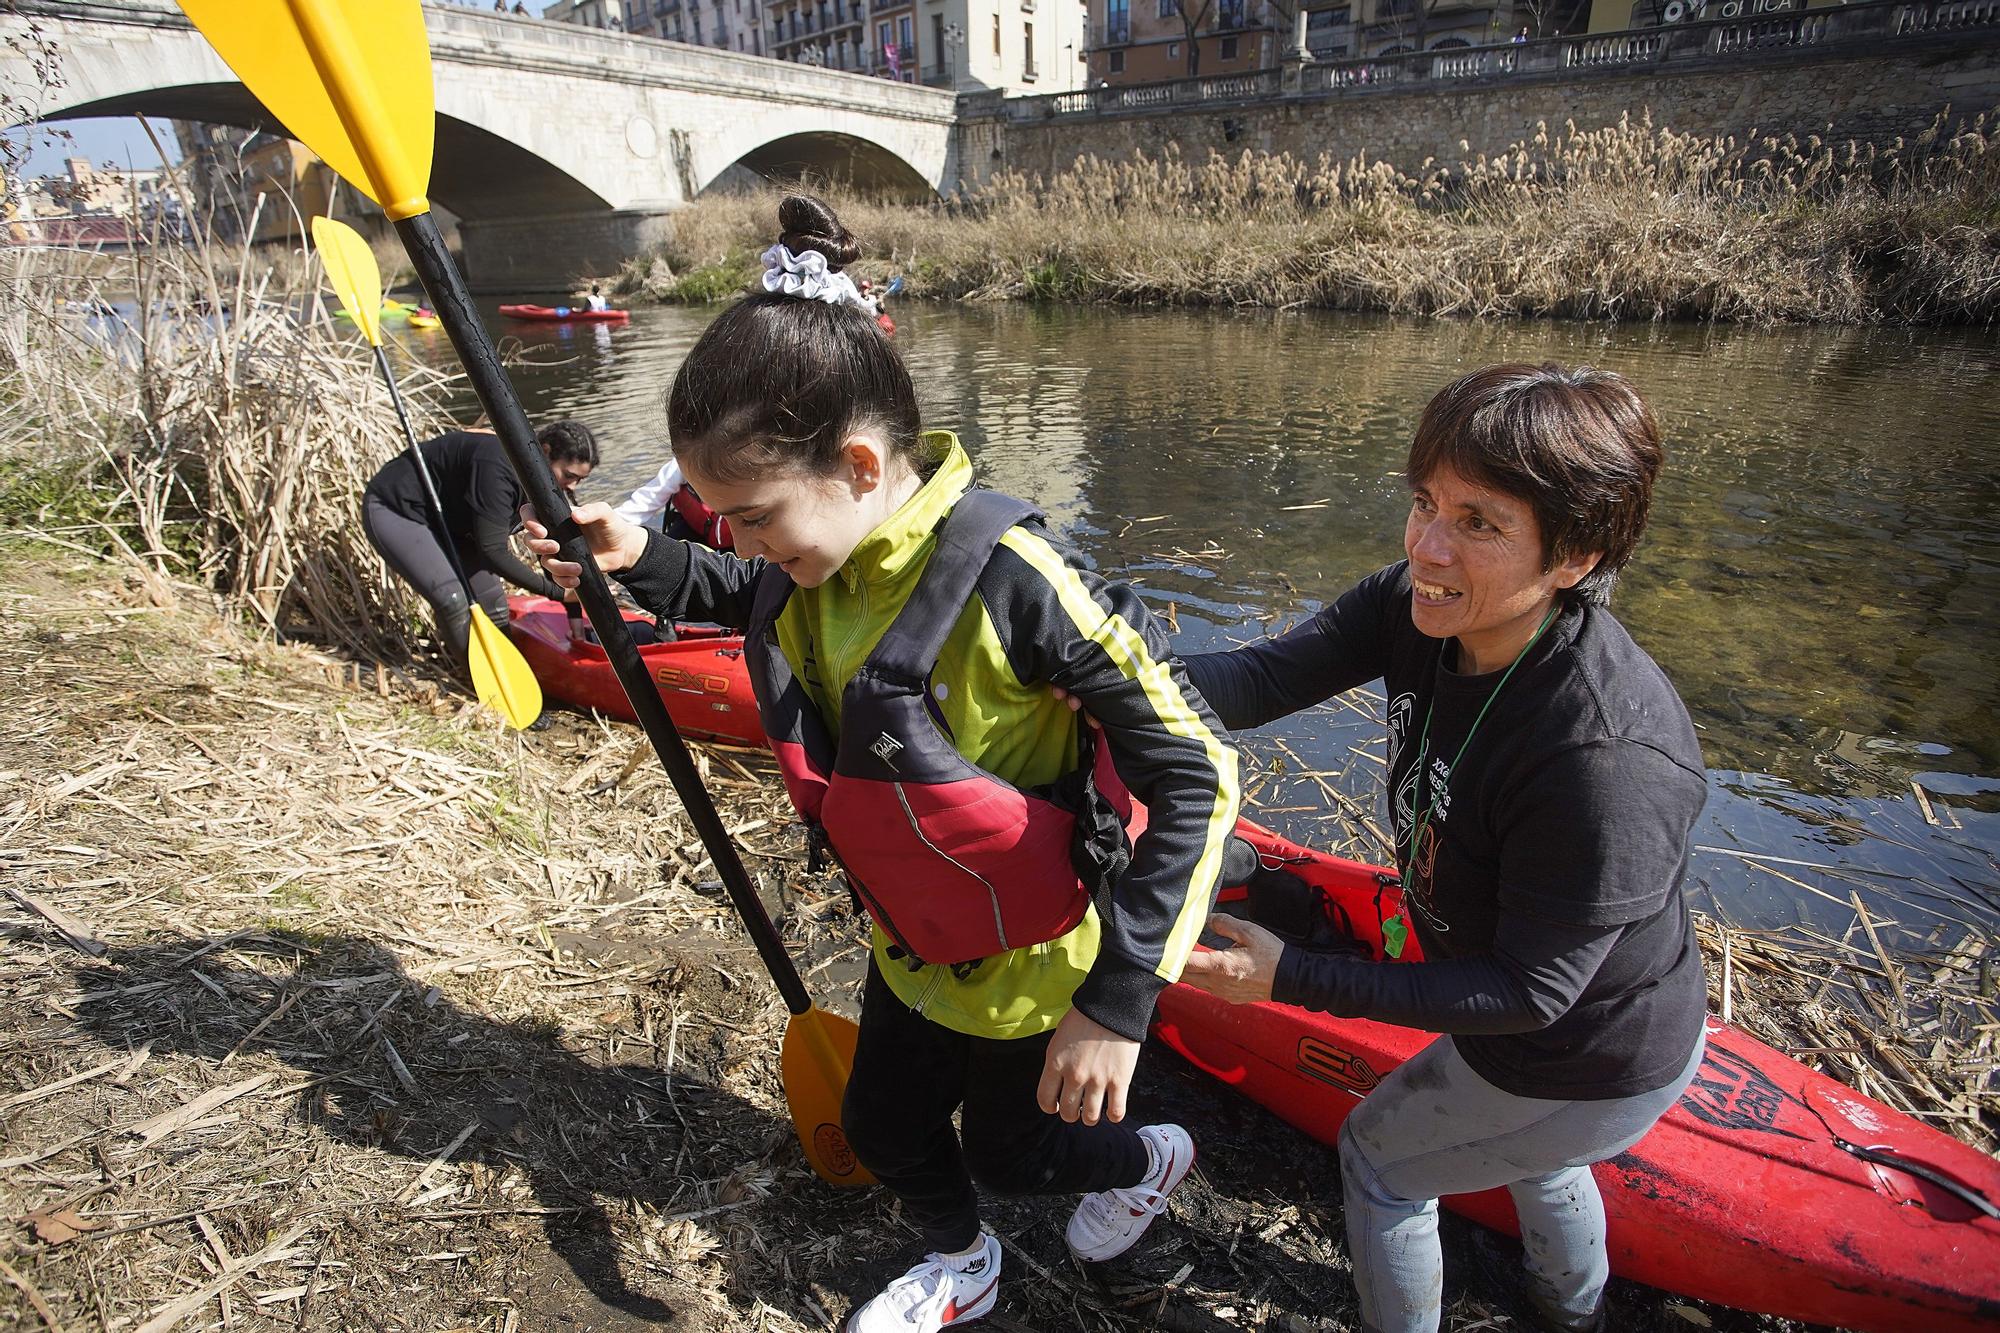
x,y
453,304
445,538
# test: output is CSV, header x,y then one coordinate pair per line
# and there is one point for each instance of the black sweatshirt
x,y
1546,894
482,503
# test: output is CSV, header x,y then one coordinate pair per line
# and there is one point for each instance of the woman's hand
x,y
615,543
1087,1072
1243,974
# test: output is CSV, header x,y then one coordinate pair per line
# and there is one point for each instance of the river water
x,y
1821,578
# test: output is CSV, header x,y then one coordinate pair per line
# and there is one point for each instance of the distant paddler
x,y
481,500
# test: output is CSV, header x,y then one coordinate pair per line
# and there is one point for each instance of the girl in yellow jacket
x,y
796,420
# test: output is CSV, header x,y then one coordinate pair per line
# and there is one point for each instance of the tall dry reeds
x,y
1630,221
195,408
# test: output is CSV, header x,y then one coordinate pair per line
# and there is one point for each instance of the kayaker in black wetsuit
x,y
482,501
1545,782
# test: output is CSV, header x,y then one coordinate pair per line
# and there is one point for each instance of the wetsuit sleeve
x,y
1342,646
1096,639
677,580
1533,976
647,506
496,508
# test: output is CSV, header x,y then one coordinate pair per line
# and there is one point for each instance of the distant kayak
x,y
419,317
560,314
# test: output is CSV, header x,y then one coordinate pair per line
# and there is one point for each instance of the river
x,y
1821,578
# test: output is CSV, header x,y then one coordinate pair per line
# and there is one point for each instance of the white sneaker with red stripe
x,y
938,1293
1110,1222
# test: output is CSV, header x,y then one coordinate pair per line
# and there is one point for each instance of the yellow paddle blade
x,y
350,267
815,1059
349,79
500,675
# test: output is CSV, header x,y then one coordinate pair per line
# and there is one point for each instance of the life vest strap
x,y
909,648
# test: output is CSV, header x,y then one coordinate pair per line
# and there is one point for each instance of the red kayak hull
x,y
700,675
1740,1195
564,314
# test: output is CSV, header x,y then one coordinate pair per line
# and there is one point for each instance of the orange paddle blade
x,y
815,1059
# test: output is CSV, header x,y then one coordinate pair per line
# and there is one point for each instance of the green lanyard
x,y
1396,929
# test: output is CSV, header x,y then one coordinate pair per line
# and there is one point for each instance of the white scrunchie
x,y
808,276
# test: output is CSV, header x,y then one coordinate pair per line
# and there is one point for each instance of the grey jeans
x,y
412,549
1435,1127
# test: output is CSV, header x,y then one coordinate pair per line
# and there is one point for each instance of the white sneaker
x,y
1110,1222
937,1293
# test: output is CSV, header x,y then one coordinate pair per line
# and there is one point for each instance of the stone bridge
x,y
560,148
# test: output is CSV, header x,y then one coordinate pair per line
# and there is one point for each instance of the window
x,y
1173,50
1229,48
1028,51
1117,62
996,34
1117,21
942,55
1229,14
903,43
1169,8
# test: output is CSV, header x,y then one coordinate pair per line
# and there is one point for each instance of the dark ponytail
x,y
778,383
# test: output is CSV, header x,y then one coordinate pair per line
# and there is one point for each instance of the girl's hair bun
x,y
805,223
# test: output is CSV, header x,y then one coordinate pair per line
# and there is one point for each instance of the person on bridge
x,y
1545,781
481,500
909,625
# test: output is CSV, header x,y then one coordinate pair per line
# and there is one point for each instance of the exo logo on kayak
x,y
692,682
1343,1069
1731,1093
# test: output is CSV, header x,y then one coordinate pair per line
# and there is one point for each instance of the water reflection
x,y
1819,579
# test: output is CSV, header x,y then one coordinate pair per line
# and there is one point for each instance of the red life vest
x,y
953,862
709,528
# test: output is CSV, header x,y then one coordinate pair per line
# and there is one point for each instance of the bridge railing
x,y
1872,25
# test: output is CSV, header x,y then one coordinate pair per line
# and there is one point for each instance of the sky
x,y
104,140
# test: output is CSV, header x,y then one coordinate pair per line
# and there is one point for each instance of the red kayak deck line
x,y
1741,1194
565,314
700,675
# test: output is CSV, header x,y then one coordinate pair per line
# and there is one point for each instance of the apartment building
x,y
730,25
1146,41
1010,46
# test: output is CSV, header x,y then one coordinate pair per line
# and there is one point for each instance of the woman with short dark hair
x,y
1545,780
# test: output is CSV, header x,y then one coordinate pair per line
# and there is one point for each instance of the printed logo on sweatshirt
x,y
886,747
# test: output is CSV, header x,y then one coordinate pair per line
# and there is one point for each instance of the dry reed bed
x,y
1629,221
227,448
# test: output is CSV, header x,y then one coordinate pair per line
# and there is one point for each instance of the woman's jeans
x,y
1434,1127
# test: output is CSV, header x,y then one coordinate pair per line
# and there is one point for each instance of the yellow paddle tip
x,y
817,1054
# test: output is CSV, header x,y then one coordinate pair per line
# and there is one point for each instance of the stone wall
x,y
1872,98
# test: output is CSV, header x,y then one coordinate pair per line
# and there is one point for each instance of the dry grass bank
x,y
1631,221
332,1005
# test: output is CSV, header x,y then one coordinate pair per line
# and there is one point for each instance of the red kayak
x,y
565,314
1769,1187
700,673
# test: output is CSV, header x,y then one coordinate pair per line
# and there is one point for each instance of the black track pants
x,y
910,1074
413,551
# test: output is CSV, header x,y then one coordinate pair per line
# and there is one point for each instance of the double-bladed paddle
x,y
351,80
500,675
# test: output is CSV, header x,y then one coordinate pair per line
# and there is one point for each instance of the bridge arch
x,y
829,155
477,173
561,148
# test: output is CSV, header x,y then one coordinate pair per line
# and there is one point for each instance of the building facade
x,y
1010,46
1148,41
